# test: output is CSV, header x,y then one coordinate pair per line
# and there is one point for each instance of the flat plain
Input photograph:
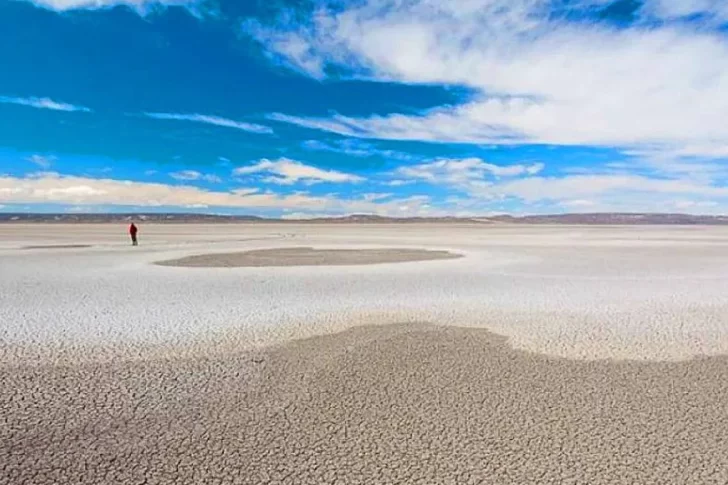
x,y
473,353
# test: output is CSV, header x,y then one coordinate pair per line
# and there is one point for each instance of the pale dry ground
x,y
117,370
396,404
580,292
282,257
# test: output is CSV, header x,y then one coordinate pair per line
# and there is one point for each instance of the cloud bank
x,y
45,188
465,187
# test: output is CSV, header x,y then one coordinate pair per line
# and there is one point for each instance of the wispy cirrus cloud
x,y
212,120
43,103
398,182
538,76
438,126
191,175
43,161
463,173
374,196
355,148
285,171
710,10
139,5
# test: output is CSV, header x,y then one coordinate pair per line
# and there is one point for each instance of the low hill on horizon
x,y
612,218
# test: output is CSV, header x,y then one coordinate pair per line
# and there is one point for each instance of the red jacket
x,y
133,230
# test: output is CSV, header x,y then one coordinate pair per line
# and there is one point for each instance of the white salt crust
x,y
645,293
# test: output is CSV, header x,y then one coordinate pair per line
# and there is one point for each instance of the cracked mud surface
x,y
57,246
396,404
649,293
308,257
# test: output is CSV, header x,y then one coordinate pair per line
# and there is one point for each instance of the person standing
x,y
133,230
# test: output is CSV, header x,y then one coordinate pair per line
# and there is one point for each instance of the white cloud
x,y
212,120
467,173
693,204
42,174
345,147
83,191
307,215
44,162
354,148
286,172
534,189
577,204
374,196
398,182
440,125
189,175
482,183
81,209
138,5
716,10
682,162
592,193
534,168
186,175
636,202
539,78
42,103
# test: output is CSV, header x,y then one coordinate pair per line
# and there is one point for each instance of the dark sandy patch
x,y
58,246
399,404
308,257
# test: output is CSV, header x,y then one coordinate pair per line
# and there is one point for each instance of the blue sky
x,y
391,107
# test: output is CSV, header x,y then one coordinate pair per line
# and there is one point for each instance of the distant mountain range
x,y
598,218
